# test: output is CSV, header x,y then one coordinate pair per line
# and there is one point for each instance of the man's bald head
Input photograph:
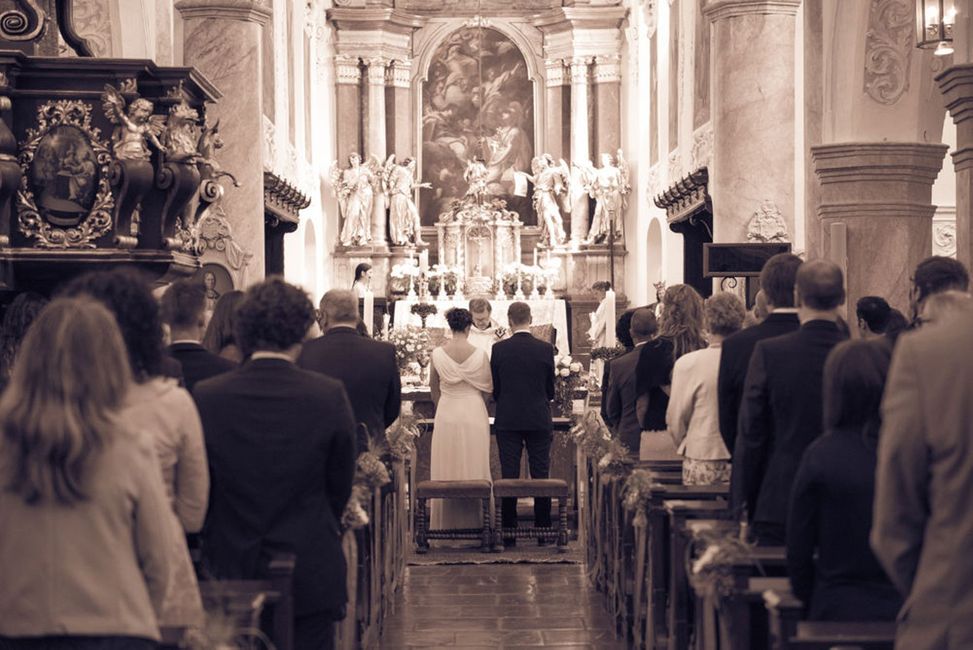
x,y
820,285
339,307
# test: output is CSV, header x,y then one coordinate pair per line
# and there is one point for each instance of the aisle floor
x,y
499,606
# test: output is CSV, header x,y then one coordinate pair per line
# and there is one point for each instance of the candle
x,y
535,257
386,321
424,260
369,311
610,318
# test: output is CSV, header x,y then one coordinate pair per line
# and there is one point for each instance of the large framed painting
x,y
477,103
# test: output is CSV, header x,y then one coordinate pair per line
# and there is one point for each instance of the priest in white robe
x,y
485,331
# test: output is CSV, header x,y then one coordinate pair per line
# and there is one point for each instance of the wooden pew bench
x,y
550,488
788,632
452,490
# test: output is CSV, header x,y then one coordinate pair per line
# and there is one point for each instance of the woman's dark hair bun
x,y
459,319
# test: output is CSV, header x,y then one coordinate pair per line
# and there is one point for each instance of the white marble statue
x,y
609,186
400,183
551,181
353,188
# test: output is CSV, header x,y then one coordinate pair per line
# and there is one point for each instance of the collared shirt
x,y
267,354
185,341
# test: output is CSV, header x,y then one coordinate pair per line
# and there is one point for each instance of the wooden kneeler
x,y
452,490
540,488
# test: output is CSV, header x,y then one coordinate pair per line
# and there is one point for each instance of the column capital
x,y
554,72
579,69
347,71
956,85
400,73
255,11
717,10
376,70
608,68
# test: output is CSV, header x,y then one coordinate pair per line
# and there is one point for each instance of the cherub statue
x,y
136,127
353,188
609,186
551,181
476,175
209,143
400,183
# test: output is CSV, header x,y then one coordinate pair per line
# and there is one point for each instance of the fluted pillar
x,y
956,84
882,192
554,79
608,103
375,140
753,112
222,39
580,148
348,113
400,78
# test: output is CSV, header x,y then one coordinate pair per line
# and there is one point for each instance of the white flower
x,y
567,360
564,372
575,367
410,348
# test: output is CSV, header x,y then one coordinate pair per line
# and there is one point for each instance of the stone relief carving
x,y
473,5
944,239
767,225
675,164
650,14
216,234
654,182
92,22
888,50
703,146
270,144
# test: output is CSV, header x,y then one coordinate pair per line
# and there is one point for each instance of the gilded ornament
x,y
137,126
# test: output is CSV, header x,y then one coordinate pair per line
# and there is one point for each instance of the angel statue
x,y
551,180
608,185
136,127
400,182
476,175
353,188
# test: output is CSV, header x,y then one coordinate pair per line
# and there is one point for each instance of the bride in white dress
x,y
459,379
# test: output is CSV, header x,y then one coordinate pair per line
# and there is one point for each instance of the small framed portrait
x,y
217,281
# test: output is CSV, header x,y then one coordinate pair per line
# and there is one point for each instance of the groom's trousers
x,y
511,445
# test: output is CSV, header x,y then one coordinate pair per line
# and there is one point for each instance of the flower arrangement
x,y
592,435
443,279
410,343
567,379
636,494
370,473
607,354
712,570
616,463
401,437
402,276
424,310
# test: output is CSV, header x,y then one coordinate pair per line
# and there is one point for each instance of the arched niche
x,y
478,93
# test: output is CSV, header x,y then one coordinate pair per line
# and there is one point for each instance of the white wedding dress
x,y
461,435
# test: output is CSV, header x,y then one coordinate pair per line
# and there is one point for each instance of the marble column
x,y
753,112
222,39
956,84
580,150
348,113
375,141
403,143
882,192
554,138
608,104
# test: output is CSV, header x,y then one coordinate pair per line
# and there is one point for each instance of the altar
x,y
543,311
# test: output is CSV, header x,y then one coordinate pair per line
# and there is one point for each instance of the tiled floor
x,y
499,606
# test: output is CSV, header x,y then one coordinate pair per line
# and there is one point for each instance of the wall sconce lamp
x,y
934,25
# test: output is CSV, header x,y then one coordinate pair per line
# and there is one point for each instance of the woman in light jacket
x,y
692,417
87,535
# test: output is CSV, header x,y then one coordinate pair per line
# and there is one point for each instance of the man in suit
x,y
873,316
523,387
281,449
184,311
933,275
782,408
366,367
777,284
922,529
620,409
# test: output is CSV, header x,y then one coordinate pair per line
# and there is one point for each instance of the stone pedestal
x,y
882,192
753,112
580,149
956,84
348,113
222,39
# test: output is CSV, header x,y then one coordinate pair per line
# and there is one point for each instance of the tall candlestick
x,y
424,260
369,311
610,319
535,257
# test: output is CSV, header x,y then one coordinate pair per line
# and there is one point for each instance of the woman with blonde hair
x,y
680,332
87,530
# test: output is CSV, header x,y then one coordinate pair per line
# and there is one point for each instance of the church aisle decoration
x,y
401,437
606,354
371,473
567,380
721,549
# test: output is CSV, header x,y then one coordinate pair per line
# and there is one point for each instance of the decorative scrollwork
x,y
728,284
888,50
944,239
24,24
92,161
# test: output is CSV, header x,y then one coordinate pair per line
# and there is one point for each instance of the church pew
x,y
788,632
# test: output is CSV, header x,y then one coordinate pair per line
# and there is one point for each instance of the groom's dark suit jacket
x,y
523,383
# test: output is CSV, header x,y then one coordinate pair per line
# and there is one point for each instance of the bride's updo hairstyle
x,y
459,319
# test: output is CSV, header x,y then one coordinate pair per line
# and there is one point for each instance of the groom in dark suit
x,y
523,387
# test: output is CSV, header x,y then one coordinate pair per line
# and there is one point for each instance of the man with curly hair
x,y
281,445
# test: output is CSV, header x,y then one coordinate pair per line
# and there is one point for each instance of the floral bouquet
x,y
411,344
567,379
443,279
607,354
370,473
401,437
424,310
402,276
617,462
712,570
